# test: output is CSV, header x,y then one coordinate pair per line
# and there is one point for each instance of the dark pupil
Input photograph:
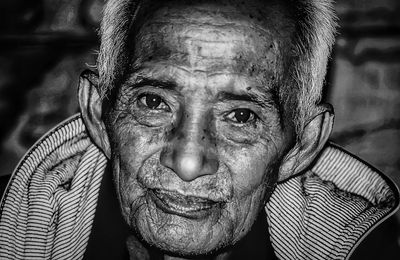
x,y
242,115
153,101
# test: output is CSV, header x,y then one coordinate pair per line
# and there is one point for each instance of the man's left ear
x,y
312,140
91,108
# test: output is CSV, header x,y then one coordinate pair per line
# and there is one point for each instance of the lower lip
x,y
168,205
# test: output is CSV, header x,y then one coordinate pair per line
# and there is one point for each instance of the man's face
x,y
196,132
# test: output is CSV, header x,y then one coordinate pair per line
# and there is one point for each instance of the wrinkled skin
x,y
197,121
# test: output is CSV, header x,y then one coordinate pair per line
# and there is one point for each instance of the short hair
x,y
301,89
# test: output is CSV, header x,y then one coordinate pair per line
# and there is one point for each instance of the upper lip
x,y
196,198
183,197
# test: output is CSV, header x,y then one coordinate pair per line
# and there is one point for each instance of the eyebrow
x,y
262,101
165,84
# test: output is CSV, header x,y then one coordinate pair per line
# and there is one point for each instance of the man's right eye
x,y
153,102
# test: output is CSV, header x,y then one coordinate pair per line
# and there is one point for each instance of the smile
x,y
184,206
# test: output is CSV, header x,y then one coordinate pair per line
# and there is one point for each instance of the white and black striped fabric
x,y
49,205
327,211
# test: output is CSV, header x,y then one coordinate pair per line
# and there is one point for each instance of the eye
x,y
241,115
153,101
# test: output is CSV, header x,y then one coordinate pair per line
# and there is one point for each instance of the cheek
x,y
254,175
251,168
130,193
134,144
243,212
131,147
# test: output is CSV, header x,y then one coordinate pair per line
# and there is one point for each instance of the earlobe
x,y
91,108
311,142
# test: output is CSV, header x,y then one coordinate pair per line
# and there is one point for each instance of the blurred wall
x,y
46,44
364,82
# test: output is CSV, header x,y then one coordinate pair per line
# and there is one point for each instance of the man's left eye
x,y
153,101
241,116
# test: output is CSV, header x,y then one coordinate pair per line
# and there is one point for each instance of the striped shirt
x,y
49,205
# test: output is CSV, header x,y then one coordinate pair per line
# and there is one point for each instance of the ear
x,y
91,108
311,142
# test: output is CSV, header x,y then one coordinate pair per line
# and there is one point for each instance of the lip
x,y
185,206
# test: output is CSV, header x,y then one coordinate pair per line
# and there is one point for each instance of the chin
x,y
184,232
187,233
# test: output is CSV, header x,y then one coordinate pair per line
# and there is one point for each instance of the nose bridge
x,y
191,152
193,126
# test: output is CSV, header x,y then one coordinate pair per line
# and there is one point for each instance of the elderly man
x,y
207,115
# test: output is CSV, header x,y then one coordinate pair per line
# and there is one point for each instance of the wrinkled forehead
x,y
246,32
269,14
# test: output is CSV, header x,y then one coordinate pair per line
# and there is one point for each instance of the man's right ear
x,y
91,108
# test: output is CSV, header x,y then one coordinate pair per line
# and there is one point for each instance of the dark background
x,y
45,44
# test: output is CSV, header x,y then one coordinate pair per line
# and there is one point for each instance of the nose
x,y
191,152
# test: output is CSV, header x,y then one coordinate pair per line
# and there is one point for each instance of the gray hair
x,y
315,24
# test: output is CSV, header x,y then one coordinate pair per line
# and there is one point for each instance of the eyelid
x,y
152,91
170,96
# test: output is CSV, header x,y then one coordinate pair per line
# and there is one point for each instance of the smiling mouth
x,y
181,205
